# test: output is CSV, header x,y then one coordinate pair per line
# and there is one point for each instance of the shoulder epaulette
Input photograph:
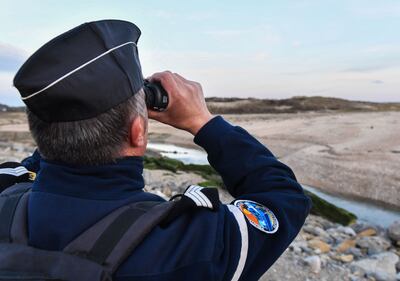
x,y
12,173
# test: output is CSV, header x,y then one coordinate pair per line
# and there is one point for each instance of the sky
x,y
264,49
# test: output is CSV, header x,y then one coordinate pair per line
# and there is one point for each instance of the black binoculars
x,y
156,96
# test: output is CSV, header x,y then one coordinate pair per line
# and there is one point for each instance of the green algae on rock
x,y
323,208
320,206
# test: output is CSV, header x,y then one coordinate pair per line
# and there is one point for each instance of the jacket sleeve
x,y
251,172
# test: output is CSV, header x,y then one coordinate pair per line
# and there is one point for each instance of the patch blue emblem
x,y
258,215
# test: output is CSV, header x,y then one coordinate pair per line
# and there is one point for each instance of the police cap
x,y
83,72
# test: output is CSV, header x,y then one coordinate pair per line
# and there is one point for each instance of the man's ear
x,y
138,133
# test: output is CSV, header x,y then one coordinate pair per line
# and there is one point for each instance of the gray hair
x,y
94,141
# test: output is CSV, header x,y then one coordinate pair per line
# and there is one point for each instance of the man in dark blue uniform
x,y
87,114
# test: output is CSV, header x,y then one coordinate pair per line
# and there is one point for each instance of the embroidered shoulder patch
x,y
258,215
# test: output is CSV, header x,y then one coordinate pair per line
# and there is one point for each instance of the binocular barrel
x,y
156,97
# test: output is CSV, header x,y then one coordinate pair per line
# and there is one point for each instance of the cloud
x,y
381,49
172,16
227,33
163,14
376,9
201,16
377,82
265,35
11,58
8,94
373,66
374,58
366,68
296,43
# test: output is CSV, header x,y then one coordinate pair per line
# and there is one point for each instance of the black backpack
x,y
93,255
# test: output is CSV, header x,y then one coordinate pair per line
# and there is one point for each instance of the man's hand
x,y
187,109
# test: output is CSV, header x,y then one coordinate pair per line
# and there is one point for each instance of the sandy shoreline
x,y
353,154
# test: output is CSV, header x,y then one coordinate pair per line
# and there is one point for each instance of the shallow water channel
x,y
365,211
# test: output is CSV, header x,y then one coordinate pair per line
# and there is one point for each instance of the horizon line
x,y
257,98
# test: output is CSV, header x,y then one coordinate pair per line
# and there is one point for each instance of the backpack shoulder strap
x,y
13,213
111,240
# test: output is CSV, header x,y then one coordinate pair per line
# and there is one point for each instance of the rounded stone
x,y
319,245
394,231
314,262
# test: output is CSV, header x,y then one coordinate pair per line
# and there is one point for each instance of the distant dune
x,y
294,105
7,108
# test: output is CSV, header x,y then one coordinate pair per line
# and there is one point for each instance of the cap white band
x,y
76,69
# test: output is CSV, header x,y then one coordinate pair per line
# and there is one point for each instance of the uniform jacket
x,y
197,245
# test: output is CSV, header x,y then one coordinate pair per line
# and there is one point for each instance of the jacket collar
x,y
114,181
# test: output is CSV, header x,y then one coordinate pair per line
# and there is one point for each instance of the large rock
x,y
368,232
359,226
345,245
394,232
314,262
341,234
381,266
344,258
373,245
319,232
325,223
314,230
346,230
300,246
356,252
319,246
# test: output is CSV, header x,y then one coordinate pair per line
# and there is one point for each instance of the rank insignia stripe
x,y
258,215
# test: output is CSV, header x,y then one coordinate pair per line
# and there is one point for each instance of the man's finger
x,y
154,114
166,78
183,79
163,75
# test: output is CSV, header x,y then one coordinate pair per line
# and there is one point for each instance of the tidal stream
x,y
365,211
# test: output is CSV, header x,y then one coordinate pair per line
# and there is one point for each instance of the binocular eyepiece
x,y
156,97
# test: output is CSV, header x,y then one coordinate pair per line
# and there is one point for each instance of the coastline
x,y
354,155
349,154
